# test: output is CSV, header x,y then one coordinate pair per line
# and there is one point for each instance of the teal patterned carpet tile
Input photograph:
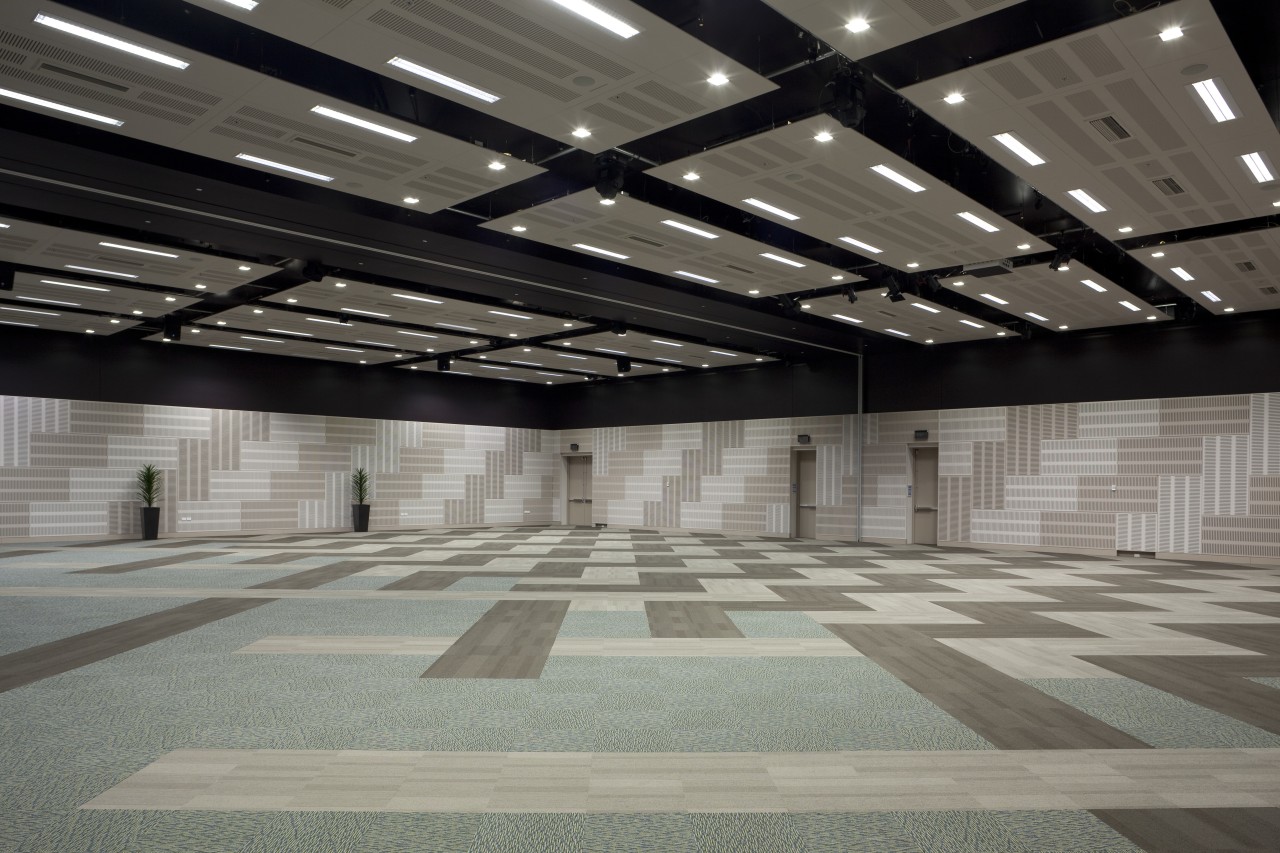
x,y
30,621
483,584
777,623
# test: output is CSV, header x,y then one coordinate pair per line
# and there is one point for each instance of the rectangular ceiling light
x,y
1034,316
669,360
599,17
544,373
78,286
1087,200
492,367
1008,140
924,307
771,256
111,41
375,343
455,326
861,245
225,346
30,311
287,332
419,335
896,332
1129,305
263,340
346,349
247,5
722,352
77,304
1257,167
1093,285
690,229
696,277
1182,274
610,351
577,357
900,180
1213,100
363,123
996,299
511,315
443,79
765,206
1210,295
600,251
138,250
971,323
665,343
359,311
57,107
100,272
981,223
846,318
330,322
527,363
283,167
417,298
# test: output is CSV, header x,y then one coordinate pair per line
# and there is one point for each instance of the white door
x,y
924,492
579,490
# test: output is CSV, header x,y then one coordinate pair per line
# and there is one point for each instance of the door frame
x,y
564,484
796,450
911,482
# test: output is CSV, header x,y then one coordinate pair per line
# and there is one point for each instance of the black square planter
x,y
360,517
150,522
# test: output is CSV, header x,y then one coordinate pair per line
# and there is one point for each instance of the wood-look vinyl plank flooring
x,y
689,619
512,640
312,578
153,563
1222,830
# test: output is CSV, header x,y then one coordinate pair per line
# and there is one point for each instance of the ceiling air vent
x,y
888,314
324,147
1168,186
638,239
84,78
1268,291
1110,129
1246,266
739,269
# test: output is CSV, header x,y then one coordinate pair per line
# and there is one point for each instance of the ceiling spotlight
x,y
581,133
849,293
691,176
1171,33
519,229
858,25
894,291
848,95
172,328
619,329
932,284
411,199
610,174
624,365
789,306
954,98
443,363
823,136
497,165
717,79
1060,260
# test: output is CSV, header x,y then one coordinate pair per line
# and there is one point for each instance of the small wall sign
x,y
922,435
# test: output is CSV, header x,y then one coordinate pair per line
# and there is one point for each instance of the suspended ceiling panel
x,y
422,311
559,359
1241,272
299,347
1054,299
55,293
515,373
1113,112
49,317
915,319
220,110
889,22
66,253
632,233
550,70
289,325
833,194
667,350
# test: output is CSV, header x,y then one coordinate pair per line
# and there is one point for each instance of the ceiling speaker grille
x,y
645,240
83,78
1110,129
530,30
1246,266
619,118
94,95
935,12
1268,291
1168,186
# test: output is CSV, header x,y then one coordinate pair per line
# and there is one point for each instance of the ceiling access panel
x,y
1242,271
551,71
633,231
915,319
515,373
278,345
831,190
220,110
555,358
1113,111
62,250
53,318
55,292
665,348
302,326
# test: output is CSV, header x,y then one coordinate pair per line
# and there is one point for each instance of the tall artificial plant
x,y
360,486
148,483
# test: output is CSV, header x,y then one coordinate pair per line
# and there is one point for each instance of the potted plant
x,y
148,483
360,500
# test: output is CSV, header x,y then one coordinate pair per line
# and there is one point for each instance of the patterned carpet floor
x,y
573,689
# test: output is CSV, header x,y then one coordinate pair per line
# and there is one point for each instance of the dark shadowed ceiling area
x,y
557,191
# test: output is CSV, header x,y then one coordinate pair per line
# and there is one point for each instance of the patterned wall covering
x,y
722,475
66,469
1198,475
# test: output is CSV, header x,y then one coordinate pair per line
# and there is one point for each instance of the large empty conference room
x,y
604,426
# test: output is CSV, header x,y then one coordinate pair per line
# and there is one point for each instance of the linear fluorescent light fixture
x,y
971,323
247,5
76,304
287,332
771,256
138,250
459,328
226,346
722,352
1257,167
769,208
443,79
360,311
696,277
1129,305
599,17
1213,100
900,180
418,334
263,340
1018,147
847,318
1210,295
1182,274
924,307
700,232
356,121
1034,316
61,108
329,322
30,311
1093,285
1087,200
896,332
100,272
666,343
978,221
511,315
111,41
600,251
417,298
284,167
77,286
996,299
346,349
861,245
